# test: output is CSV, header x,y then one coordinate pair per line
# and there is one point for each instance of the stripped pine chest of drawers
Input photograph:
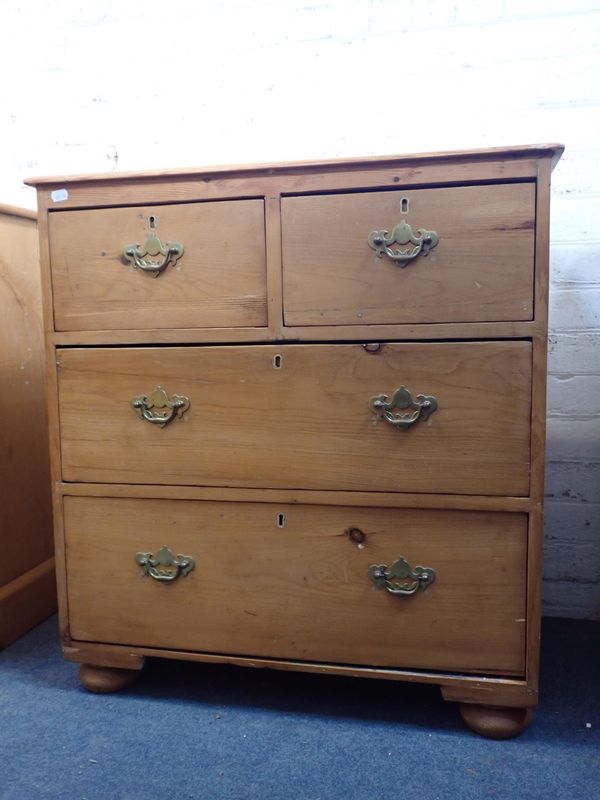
x,y
297,419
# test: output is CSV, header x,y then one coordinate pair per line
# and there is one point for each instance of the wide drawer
x,y
481,268
300,416
301,591
218,280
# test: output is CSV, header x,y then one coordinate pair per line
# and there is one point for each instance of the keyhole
x,y
404,204
281,520
152,223
277,362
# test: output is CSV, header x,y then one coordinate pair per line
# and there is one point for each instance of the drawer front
x,y
302,591
481,268
219,280
300,416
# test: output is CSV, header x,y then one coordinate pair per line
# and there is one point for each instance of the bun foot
x,y
103,680
495,722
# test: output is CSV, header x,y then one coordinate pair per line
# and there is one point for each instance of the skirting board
x,y
26,601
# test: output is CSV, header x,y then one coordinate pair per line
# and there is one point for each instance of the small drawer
x,y
189,265
470,258
230,578
441,417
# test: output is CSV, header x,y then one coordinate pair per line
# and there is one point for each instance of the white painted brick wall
x,y
90,87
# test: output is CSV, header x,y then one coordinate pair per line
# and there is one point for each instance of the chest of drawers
x,y
297,419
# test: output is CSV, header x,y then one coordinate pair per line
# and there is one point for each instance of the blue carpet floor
x,y
196,731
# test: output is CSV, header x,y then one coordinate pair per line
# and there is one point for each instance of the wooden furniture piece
x,y
27,582
297,419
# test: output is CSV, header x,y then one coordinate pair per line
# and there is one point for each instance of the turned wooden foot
x,y
106,679
495,722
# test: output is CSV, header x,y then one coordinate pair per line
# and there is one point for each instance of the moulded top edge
x,y
553,151
17,211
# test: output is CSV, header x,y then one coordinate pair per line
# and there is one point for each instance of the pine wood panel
x,y
112,190
307,497
538,424
495,690
26,601
258,589
25,521
306,425
27,588
481,269
16,211
309,460
315,333
488,693
220,281
53,419
482,157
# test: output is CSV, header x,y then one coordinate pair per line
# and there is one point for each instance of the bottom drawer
x,y
294,582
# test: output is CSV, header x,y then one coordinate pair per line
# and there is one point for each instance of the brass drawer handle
x,y
176,406
402,235
401,578
422,407
138,254
165,566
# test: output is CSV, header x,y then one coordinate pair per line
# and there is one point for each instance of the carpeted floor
x,y
195,731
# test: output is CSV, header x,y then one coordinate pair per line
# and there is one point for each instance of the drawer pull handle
x,y
176,406
401,578
409,244
422,407
138,254
165,566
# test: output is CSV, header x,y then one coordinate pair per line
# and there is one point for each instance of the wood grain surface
x,y
481,269
449,502
494,689
276,332
26,517
305,425
26,601
481,157
110,191
301,591
461,492
27,584
220,281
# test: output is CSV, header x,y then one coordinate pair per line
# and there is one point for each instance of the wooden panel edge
x,y
513,151
100,656
182,188
26,601
39,572
518,695
120,655
45,273
352,334
53,414
60,562
535,546
542,242
274,266
538,419
425,331
303,496
17,211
